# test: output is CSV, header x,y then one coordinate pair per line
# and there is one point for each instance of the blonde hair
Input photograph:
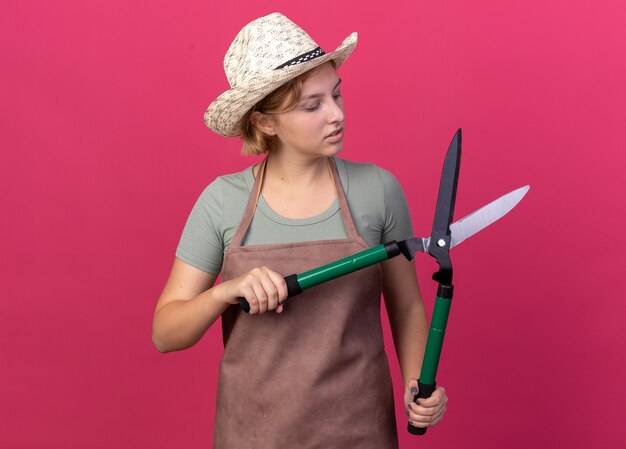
x,y
283,99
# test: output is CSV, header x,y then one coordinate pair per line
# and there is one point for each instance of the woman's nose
x,y
336,111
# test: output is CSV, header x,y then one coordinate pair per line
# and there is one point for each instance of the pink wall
x,y
103,152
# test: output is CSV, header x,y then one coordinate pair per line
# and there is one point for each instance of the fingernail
x,y
413,390
417,401
408,413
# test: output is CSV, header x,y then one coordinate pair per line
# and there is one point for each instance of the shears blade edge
x,y
486,215
470,224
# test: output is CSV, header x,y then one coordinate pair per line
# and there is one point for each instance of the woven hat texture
x,y
265,54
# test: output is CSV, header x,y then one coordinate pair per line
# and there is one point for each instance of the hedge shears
x,y
444,236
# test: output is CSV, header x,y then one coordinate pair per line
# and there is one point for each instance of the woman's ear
x,y
264,123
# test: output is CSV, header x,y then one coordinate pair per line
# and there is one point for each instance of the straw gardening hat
x,y
266,53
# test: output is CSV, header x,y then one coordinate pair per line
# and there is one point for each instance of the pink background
x,y
103,153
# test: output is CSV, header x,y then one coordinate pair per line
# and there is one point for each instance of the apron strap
x,y
255,193
248,214
348,223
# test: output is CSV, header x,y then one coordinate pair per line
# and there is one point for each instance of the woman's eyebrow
x,y
320,94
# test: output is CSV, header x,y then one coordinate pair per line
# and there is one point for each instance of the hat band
x,y
315,53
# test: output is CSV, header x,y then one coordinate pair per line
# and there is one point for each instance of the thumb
x,y
412,387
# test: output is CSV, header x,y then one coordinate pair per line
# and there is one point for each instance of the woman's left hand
x,y
429,411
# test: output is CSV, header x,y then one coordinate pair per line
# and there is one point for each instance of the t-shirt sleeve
x,y
202,242
397,218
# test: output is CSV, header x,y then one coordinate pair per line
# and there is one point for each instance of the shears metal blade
x,y
469,225
444,211
439,243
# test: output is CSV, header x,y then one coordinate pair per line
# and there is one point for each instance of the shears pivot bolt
x,y
441,243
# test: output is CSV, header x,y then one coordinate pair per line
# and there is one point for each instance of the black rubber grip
x,y
425,391
244,305
445,291
392,249
293,289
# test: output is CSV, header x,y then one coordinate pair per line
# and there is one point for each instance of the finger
x,y
435,399
430,412
417,422
280,285
271,292
420,414
418,410
410,392
280,308
412,386
425,420
439,416
246,286
260,296
436,419
438,412
248,294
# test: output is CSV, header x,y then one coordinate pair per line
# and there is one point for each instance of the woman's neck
x,y
296,171
298,188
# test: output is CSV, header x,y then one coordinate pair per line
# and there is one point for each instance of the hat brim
x,y
224,114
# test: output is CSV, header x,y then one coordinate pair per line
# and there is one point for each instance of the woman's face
x,y
315,126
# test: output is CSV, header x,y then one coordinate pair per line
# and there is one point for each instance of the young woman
x,y
312,371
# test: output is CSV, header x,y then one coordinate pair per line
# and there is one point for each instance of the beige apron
x,y
315,376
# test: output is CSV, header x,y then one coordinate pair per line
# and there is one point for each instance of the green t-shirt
x,y
375,198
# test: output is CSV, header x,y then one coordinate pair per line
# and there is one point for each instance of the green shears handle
x,y
439,321
298,282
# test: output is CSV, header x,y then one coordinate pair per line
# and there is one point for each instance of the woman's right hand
x,y
264,289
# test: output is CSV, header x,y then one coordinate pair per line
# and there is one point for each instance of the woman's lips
x,y
335,136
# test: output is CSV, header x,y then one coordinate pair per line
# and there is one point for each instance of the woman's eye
x,y
337,95
312,107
